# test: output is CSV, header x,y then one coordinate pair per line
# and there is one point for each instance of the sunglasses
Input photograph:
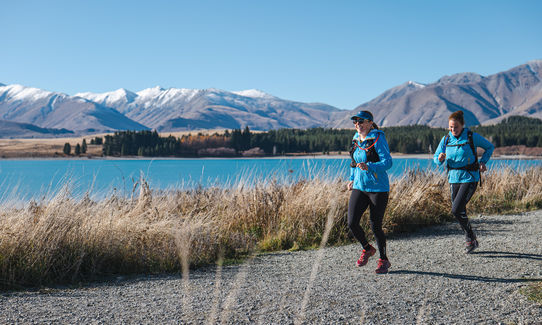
x,y
360,121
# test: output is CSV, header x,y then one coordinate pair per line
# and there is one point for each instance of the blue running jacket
x,y
376,178
460,156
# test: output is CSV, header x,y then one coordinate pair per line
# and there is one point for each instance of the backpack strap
x,y
370,151
471,144
353,163
369,147
446,140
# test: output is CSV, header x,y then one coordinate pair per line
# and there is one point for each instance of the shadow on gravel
x,y
496,254
495,223
447,229
465,277
483,226
485,220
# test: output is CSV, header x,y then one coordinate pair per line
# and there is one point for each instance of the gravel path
x,y
431,282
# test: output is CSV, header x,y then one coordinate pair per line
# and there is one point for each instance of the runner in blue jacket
x,y
370,186
457,151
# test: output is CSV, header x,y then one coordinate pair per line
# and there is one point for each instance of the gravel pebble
x,y
431,281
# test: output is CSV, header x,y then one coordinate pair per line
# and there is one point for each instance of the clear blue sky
x,y
342,53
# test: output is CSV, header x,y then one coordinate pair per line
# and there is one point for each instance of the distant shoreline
x,y
305,156
52,149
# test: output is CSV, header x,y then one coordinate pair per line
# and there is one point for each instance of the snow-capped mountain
x,y
254,93
169,109
114,98
484,100
47,109
176,109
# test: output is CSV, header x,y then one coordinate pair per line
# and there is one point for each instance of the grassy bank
x,y
68,240
533,292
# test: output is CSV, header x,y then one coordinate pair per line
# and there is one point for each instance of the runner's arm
x,y
440,149
480,141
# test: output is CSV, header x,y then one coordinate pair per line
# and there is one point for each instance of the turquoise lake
x,y
35,179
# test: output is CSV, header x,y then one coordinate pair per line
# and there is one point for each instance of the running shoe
x,y
365,254
471,245
383,266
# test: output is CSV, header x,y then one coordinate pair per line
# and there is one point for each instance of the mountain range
x,y
32,112
184,109
165,110
483,99
24,106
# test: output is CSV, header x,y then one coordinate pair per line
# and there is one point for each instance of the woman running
x,y
369,185
458,149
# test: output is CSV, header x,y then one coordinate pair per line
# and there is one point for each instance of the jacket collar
x,y
373,134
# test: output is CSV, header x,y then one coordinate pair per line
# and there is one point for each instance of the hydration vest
x,y
372,155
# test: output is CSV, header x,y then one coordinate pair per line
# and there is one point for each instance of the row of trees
x,y
515,130
150,144
78,150
404,139
97,140
297,141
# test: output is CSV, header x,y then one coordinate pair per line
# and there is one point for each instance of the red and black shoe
x,y
383,266
365,254
471,245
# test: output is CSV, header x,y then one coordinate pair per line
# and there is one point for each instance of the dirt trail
x,y
431,282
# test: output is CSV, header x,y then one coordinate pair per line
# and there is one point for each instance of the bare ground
x,y
431,282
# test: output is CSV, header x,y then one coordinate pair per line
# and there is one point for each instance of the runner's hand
x,y
441,157
362,166
483,167
350,185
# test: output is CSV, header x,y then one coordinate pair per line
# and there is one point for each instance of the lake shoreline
x,y
32,178
304,156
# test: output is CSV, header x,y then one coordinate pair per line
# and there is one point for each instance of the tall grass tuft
x,y
65,239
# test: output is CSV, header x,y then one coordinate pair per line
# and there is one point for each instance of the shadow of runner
x,y
482,227
465,277
497,254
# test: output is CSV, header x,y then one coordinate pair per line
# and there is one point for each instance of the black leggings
x,y
461,194
359,201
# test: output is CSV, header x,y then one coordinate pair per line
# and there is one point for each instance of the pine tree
x,y
84,147
77,149
245,139
67,149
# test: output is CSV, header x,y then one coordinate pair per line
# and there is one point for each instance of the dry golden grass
x,y
533,292
67,240
44,148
